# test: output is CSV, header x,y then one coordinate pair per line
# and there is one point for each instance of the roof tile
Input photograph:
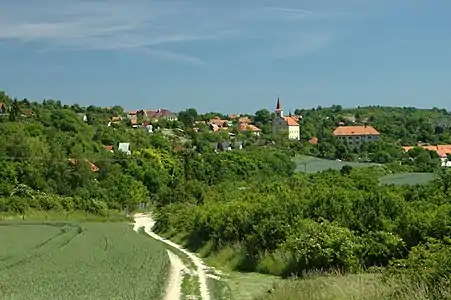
x,y
355,130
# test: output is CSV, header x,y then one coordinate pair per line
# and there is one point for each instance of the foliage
x,y
312,221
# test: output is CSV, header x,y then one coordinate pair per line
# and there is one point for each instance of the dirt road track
x,y
177,267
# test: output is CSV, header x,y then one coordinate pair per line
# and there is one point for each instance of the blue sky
x,y
228,56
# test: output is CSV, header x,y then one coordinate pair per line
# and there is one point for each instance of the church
x,y
287,124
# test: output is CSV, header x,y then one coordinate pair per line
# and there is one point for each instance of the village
x,y
235,129
288,125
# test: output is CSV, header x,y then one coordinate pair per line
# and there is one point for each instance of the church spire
x,y
279,110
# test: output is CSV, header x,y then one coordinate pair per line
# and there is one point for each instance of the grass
x,y
345,287
79,216
313,286
190,287
407,178
233,285
59,260
310,164
219,289
190,283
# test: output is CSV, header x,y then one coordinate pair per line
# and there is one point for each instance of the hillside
x,y
244,209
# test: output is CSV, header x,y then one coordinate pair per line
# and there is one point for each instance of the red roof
x,y
93,167
290,121
159,113
244,120
355,130
109,148
218,122
245,127
442,150
313,141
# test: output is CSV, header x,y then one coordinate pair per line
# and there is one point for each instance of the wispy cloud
x,y
156,28
303,45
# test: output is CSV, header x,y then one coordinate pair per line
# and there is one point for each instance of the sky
x,y
227,56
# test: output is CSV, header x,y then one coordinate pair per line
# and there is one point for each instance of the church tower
x,y
279,110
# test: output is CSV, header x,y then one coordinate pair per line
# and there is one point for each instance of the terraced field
x,y
79,261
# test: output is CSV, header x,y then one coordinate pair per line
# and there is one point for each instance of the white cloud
x,y
149,26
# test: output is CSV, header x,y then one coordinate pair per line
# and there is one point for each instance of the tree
x,y
188,117
14,112
263,116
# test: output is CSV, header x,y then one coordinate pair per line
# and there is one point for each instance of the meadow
x,y
407,178
352,286
61,260
310,164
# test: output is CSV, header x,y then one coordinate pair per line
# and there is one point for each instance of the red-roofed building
x,y
442,150
109,148
159,114
354,136
250,127
288,124
313,141
92,166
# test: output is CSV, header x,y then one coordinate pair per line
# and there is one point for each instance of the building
x,y
443,152
285,124
250,127
159,114
354,136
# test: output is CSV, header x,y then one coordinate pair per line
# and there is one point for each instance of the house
x,y
354,136
249,127
92,166
26,112
2,108
159,114
244,120
288,124
218,124
442,150
124,147
134,121
109,148
132,113
225,146
313,141
115,119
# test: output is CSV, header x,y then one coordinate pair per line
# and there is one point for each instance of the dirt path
x,y
173,289
146,221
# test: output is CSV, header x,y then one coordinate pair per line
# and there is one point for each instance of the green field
x,y
54,260
310,164
407,178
